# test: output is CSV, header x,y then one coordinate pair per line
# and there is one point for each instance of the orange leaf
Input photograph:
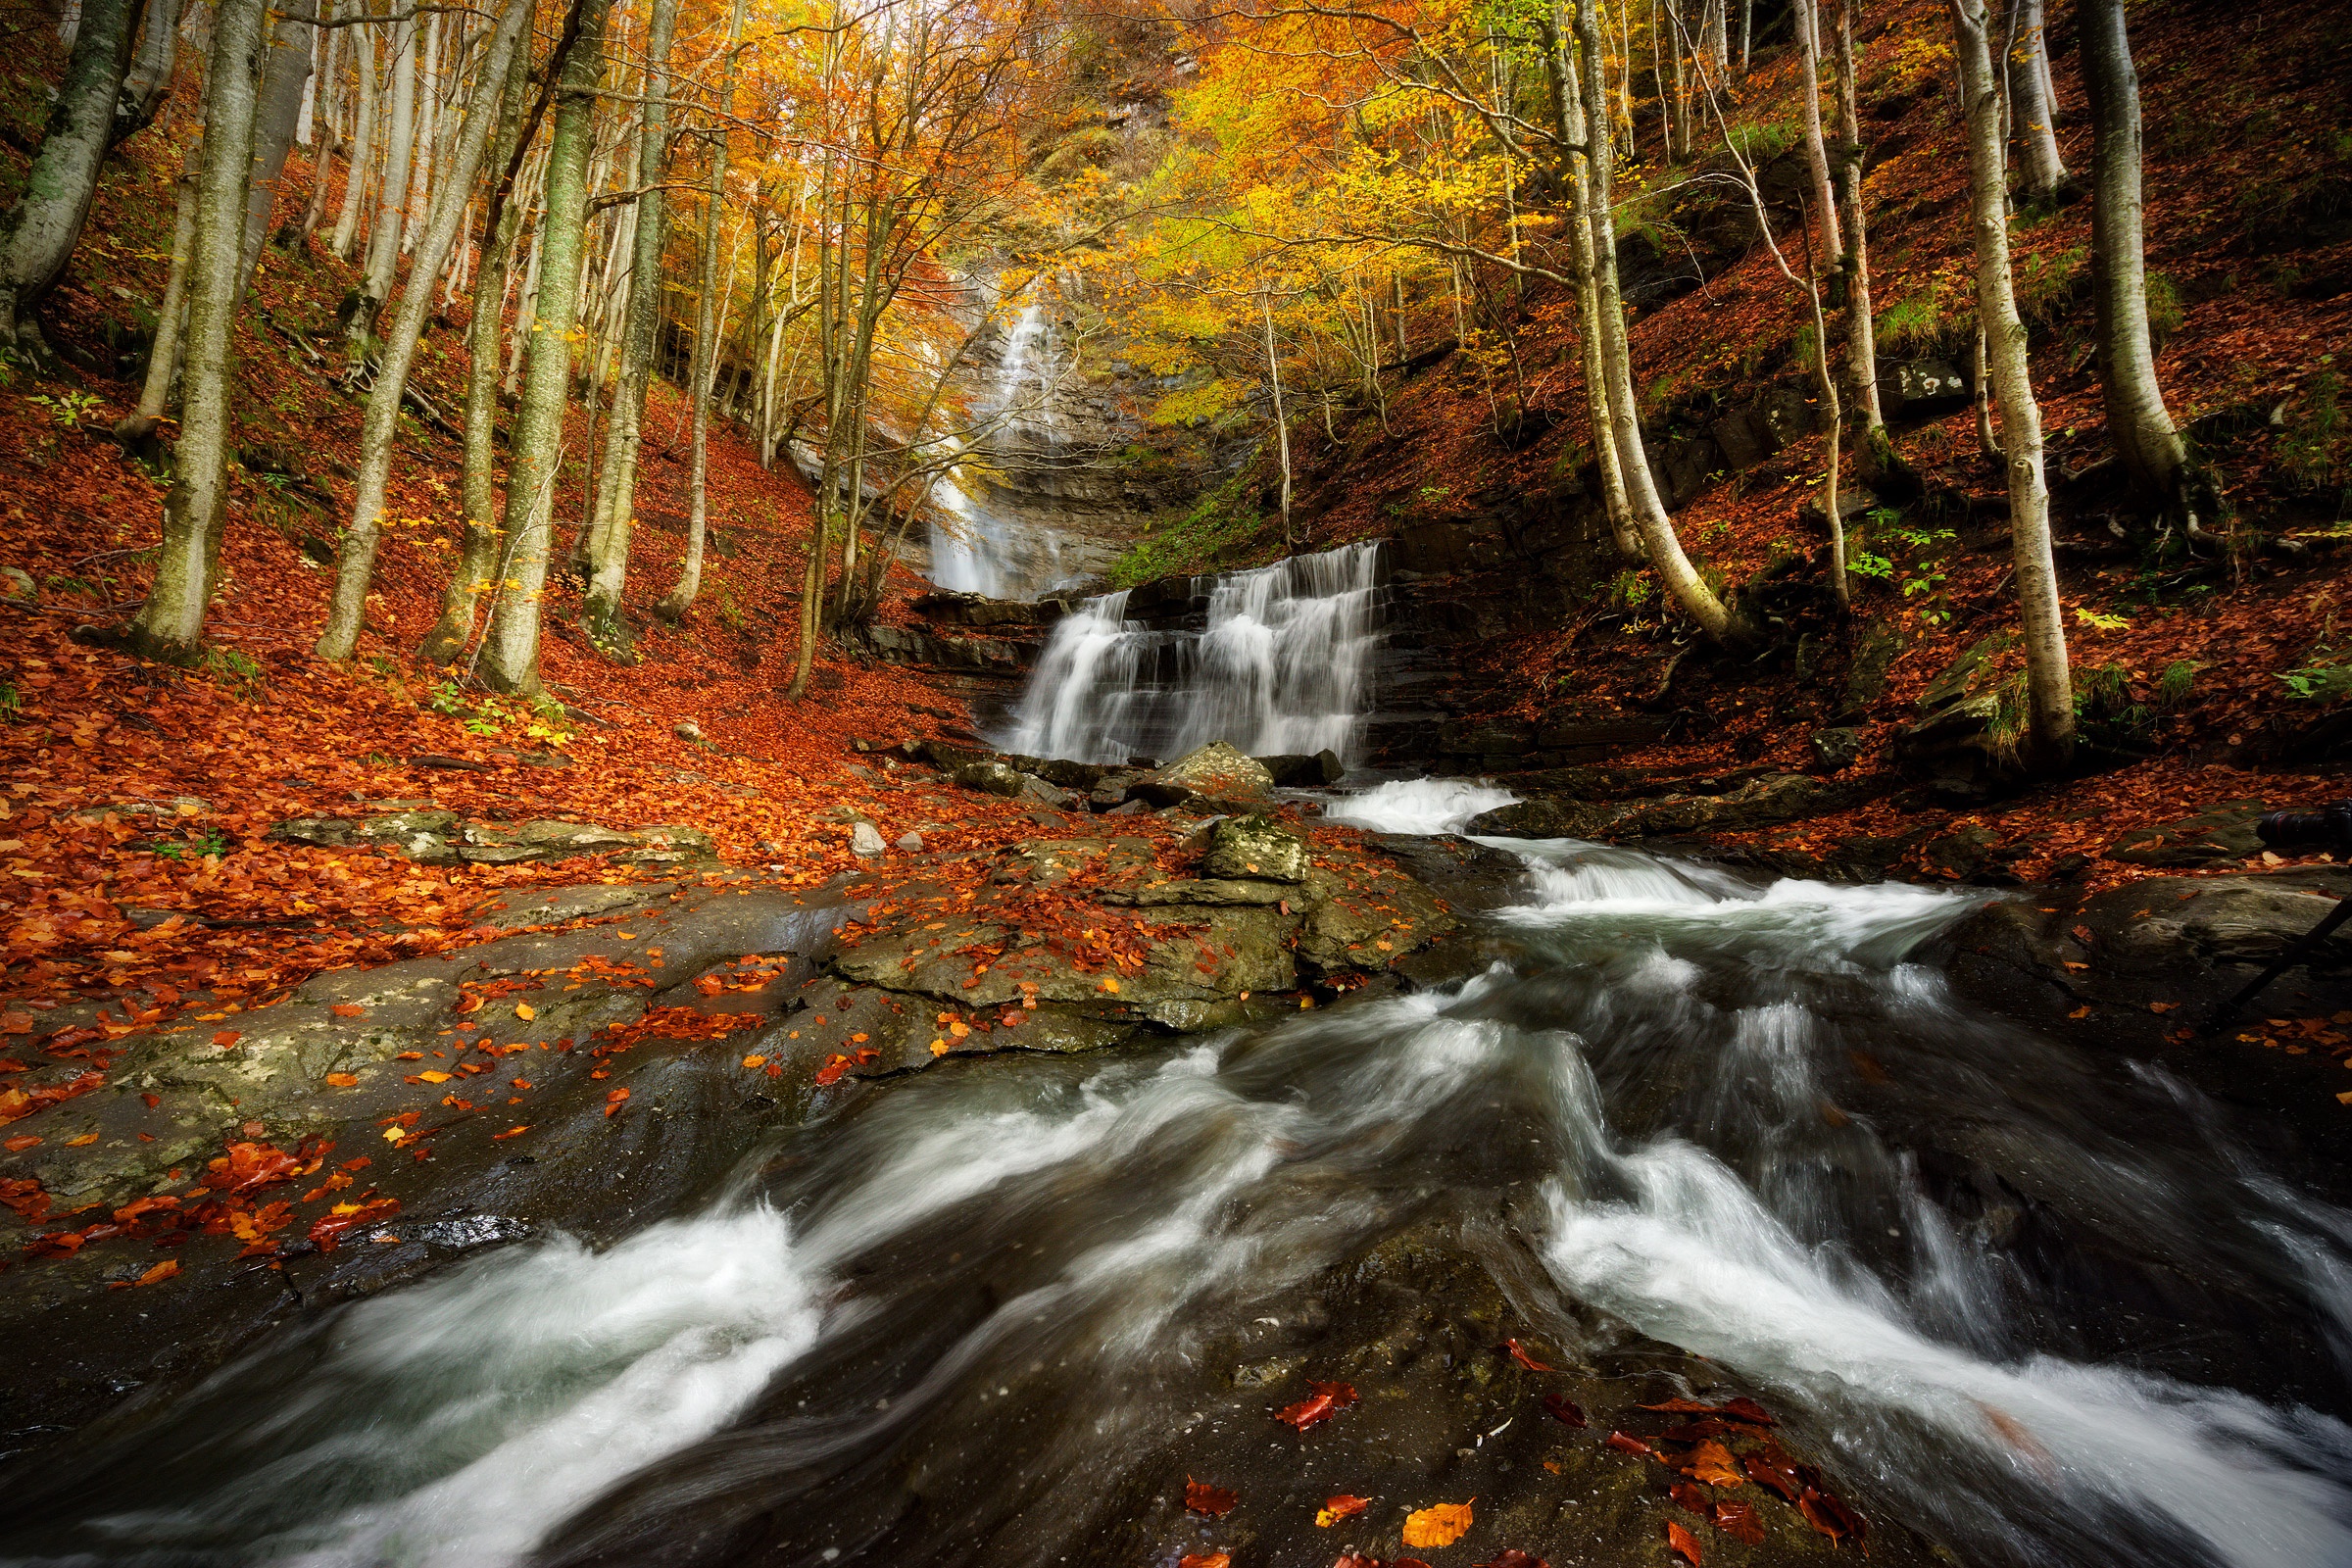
x,y
1711,1462
346,1009
343,1080
1201,1497
1206,1559
612,1101
1440,1525
1739,1521
20,1142
160,1272
225,1038
1520,1355
525,1012
1682,1542
1341,1507
1330,1398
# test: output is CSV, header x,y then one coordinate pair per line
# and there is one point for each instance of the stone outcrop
x,y
1765,802
433,837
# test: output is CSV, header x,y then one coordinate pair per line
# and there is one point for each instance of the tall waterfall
x,y
1281,665
983,550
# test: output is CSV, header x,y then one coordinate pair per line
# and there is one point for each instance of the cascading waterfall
x,y
1281,665
997,1281
983,550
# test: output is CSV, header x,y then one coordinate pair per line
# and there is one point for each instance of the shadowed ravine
x,y
2031,1307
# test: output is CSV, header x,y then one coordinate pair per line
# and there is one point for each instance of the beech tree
x,y
510,658
355,559
2049,733
38,232
170,625
2027,78
2138,424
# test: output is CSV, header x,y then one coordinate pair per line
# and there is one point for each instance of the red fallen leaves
x,y
1741,1408
17,1104
329,1227
1739,1521
248,1166
838,1065
24,1195
1206,1559
1833,1518
615,1100
1329,1400
1520,1355
1630,1443
153,1276
1692,1497
1564,1409
1711,1462
1775,1470
1202,1498
1682,1543
1337,1508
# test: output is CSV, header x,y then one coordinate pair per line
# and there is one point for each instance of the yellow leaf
x,y
755,1061
1440,1526
160,1272
1111,985
433,1077
525,1012
939,1048
393,1135
85,1138
959,1028
343,1080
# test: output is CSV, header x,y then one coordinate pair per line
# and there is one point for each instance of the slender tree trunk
x,y
284,79
1861,333
170,624
383,240
2139,423
362,167
1817,155
356,563
329,128
477,548
704,365
1748,28
1282,426
511,650
609,550
1574,128
428,124
1981,378
1646,510
39,234
2029,79
171,316
2049,701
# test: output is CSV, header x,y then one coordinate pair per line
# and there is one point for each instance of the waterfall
x,y
981,551
1281,665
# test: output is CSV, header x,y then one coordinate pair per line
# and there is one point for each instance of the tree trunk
x,y
702,370
477,548
170,624
511,647
428,124
2037,118
2049,738
355,566
284,78
362,165
1861,333
1817,155
609,548
148,87
171,316
1646,510
39,234
329,128
383,239
2137,421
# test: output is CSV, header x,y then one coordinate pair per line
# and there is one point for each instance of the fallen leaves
x,y
615,1100
343,1080
1564,1409
1682,1543
1200,1498
1711,1462
1208,1559
1519,1355
1328,1399
1439,1525
1337,1508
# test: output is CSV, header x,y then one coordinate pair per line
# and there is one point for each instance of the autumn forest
x,y
1377,783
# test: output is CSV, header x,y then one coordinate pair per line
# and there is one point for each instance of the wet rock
x,y
1963,743
2222,835
1292,771
1038,792
1875,654
1972,852
440,838
1201,1017
866,841
1547,816
990,778
1213,891
2242,921
1215,771
1765,802
1836,750
1853,503
1366,927
1255,846
558,906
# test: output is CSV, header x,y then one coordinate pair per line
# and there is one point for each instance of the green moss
x,y
1222,530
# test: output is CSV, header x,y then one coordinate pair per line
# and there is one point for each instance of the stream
x,y
2038,1307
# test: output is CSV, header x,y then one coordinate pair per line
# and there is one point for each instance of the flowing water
x,y
2043,1306
981,549
1280,663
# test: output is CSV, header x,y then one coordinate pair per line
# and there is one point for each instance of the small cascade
x,y
1281,666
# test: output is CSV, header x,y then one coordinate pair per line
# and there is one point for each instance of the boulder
x,y
1215,771
1853,503
1836,750
1255,847
1038,791
1962,742
1294,771
990,778
2222,835
866,841
1547,816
